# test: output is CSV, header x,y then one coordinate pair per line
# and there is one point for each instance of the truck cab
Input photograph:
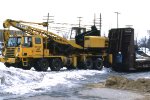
x,y
19,49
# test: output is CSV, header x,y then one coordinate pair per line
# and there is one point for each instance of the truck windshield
x,y
14,41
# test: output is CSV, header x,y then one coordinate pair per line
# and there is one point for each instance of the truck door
x,y
26,46
37,46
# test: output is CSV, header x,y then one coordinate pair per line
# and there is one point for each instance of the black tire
x,y
81,65
56,64
69,65
19,65
42,65
26,67
7,64
88,64
98,64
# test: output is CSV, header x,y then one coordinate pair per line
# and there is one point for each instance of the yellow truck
x,y
42,49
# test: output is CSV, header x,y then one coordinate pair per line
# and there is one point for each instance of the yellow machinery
x,y
95,41
42,49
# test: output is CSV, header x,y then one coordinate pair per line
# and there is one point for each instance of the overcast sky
x,y
133,12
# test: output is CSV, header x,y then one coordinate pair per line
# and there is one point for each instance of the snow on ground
x,y
140,57
145,50
19,82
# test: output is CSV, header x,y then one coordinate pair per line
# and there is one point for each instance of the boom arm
x,y
35,31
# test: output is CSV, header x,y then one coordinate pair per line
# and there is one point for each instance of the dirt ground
x,y
140,85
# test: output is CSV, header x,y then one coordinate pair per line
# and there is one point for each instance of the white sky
x,y
133,12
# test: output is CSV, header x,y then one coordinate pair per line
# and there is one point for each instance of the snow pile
x,y
18,81
145,50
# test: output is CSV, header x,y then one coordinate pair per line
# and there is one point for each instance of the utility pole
x,y
48,20
100,25
145,44
94,19
79,21
117,17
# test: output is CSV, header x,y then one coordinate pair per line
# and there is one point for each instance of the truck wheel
x,y
98,64
56,64
81,65
7,65
69,65
42,65
26,67
88,64
19,65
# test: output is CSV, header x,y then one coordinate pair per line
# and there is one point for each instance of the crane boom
x,y
35,31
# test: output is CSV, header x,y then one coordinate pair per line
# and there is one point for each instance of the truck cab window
x,y
14,42
27,42
73,34
19,41
37,40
